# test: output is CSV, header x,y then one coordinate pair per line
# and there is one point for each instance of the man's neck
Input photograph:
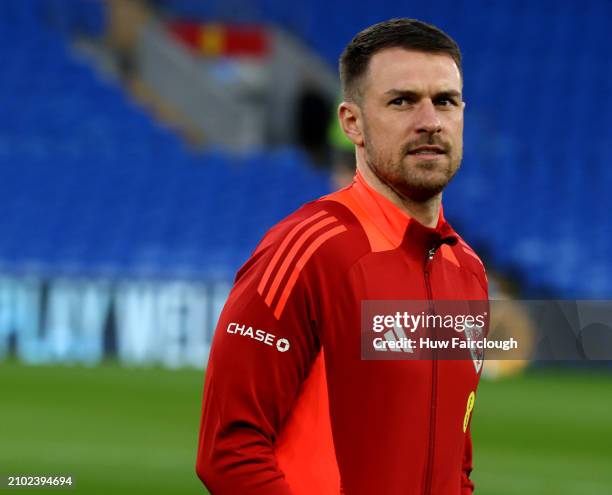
x,y
426,212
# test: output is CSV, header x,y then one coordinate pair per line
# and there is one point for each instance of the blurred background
x,y
146,146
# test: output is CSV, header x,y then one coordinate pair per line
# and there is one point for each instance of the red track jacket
x,y
289,405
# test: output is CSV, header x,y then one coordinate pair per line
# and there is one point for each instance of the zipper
x,y
434,381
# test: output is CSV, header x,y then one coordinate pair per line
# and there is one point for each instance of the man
x,y
289,405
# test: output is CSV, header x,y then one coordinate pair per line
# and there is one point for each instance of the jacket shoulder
x,y
471,261
323,233
307,251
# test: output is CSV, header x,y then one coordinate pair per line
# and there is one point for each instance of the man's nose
x,y
427,118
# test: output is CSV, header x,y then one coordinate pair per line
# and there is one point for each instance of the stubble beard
x,y
409,177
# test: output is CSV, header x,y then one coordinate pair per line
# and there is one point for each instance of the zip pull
x,y
431,253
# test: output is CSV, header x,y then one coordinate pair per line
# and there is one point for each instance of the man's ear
x,y
351,121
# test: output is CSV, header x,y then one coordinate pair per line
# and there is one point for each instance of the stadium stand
x,y
92,185
536,135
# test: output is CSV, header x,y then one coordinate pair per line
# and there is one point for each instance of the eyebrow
x,y
449,93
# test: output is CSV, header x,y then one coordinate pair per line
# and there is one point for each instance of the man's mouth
x,y
427,150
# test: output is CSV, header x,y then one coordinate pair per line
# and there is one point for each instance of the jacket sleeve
x,y
263,348
467,485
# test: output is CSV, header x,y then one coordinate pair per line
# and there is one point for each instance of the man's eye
x,y
402,101
398,101
446,102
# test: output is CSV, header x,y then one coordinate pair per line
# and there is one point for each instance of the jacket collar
x,y
395,224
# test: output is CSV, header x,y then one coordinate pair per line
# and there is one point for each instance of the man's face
x,y
412,120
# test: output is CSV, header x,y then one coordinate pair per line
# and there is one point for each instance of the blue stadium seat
x,y
89,183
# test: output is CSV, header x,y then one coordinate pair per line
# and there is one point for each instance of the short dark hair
x,y
410,34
